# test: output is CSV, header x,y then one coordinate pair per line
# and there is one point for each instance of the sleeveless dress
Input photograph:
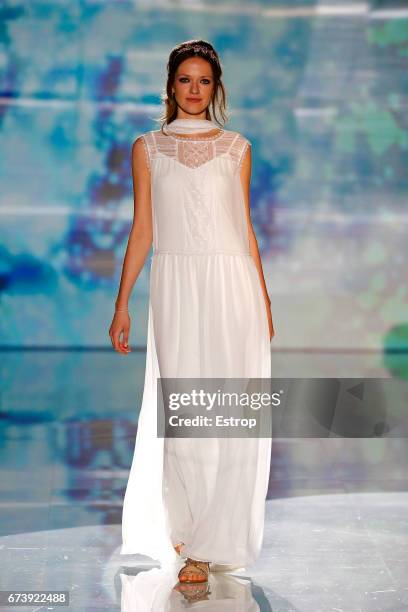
x,y
206,318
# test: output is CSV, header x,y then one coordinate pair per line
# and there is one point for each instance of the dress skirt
x,y
207,318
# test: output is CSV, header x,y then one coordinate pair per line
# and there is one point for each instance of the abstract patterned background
x,y
321,92
319,89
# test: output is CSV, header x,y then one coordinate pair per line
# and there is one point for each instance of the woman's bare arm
x,y
139,242
245,177
140,236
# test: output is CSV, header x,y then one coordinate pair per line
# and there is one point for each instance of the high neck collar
x,y
190,126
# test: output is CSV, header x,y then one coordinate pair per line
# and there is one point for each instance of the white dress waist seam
x,y
162,252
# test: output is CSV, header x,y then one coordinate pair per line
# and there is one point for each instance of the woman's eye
x,y
185,79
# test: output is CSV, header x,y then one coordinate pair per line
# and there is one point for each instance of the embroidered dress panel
x,y
193,153
203,214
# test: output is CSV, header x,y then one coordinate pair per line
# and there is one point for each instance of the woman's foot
x,y
194,571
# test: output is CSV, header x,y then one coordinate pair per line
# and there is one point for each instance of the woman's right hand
x,y
120,326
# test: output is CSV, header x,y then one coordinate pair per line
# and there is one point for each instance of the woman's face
x,y
193,87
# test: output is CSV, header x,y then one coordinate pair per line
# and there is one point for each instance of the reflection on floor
x,y
321,552
336,529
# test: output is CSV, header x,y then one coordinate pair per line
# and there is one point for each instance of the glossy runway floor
x,y
336,532
343,552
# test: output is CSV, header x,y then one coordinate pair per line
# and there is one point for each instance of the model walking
x,y
209,317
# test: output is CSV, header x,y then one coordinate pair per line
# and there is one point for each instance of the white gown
x,y
207,318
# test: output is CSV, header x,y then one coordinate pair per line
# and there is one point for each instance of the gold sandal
x,y
194,571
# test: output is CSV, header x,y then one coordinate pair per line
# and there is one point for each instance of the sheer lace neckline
x,y
188,139
192,153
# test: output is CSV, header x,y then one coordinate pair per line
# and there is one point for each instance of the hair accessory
x,y
199,48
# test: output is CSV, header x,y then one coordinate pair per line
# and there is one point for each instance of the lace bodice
x,y
197,197
195,152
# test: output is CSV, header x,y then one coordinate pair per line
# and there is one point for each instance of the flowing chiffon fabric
x,y
207,318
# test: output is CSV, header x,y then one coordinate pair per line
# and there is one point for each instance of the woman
x,y
209,316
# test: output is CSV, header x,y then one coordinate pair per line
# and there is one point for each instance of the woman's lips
x,y
193,99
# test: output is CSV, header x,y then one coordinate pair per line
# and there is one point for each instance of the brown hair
x,y
193,48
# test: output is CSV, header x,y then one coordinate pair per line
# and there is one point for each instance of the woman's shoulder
x,y
142,137
236,146
141,143
237,137
237,142
146,141
152,139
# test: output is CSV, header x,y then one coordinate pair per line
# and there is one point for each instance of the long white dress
x,y
207,318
